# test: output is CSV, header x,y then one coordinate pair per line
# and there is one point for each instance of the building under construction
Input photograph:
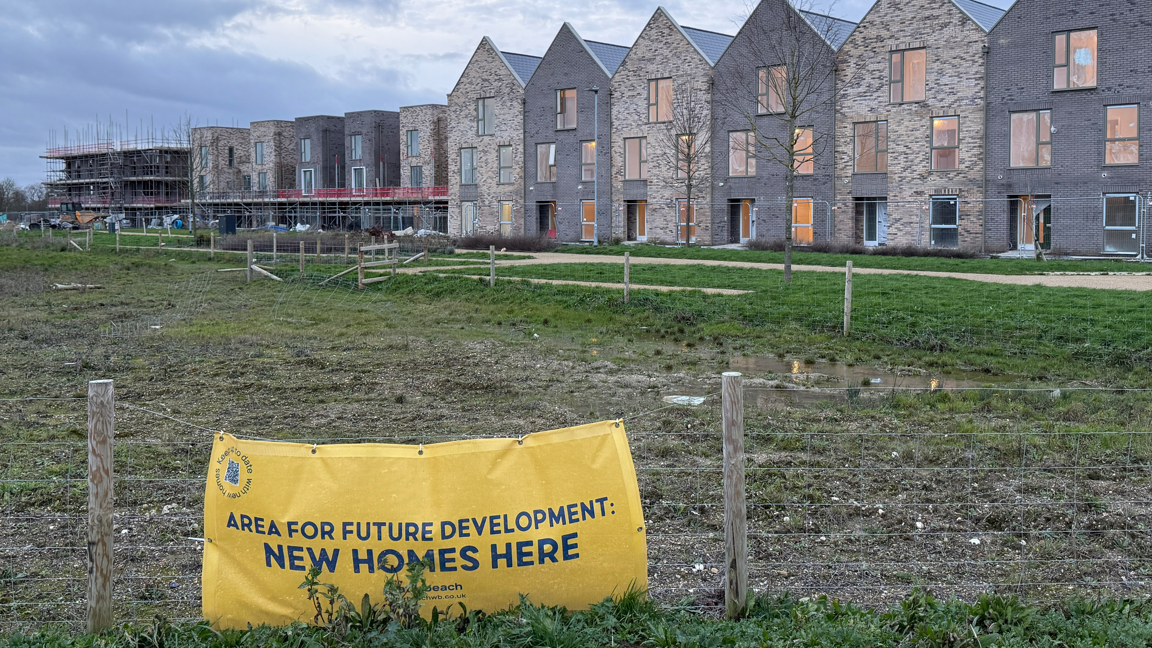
x,y
327,172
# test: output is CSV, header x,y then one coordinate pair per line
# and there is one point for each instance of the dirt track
x,y
1108,282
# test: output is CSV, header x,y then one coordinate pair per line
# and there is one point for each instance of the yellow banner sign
x,y
555,516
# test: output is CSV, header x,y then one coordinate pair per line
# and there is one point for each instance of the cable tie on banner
x,y
200,539
619,421
313,448
421,449
520,440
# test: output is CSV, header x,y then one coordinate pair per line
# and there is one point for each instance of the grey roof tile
x,y
711,43
834,30
985,15
524,64
611,56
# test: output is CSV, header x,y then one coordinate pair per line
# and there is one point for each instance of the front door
x,y
587,221
875,222
740,222
686,229
1032,211
546,219
637,223
802,221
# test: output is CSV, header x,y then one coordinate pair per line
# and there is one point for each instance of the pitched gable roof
x,y
610,56
833,30
983,14
711,44
524,65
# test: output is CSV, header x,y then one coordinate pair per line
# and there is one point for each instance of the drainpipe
x,y
596,169
984,160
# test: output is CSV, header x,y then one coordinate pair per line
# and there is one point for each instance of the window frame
x,y
810,225
501,167
505,226
485,117
1111,140
203,158
231,157
806,156
876,150
246,182
258,152
412,143
764,82
1067,64
656,103
414,172
311,174
306,149
1135,228
748,152
551,166
642,153
932,226
471,153
562,112
683,163
587,168
363,173
262,181
1039,141
355,147
903,80
932,148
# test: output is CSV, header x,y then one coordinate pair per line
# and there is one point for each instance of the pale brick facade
x,y
228,156
489,74
279,149
954,86
662,50
430,122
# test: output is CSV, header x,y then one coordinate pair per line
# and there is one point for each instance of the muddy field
x,y
857,492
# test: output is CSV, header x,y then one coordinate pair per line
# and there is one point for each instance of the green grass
x,y
783,621
799,257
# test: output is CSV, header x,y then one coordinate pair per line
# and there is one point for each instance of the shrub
x,y
827,247
511,243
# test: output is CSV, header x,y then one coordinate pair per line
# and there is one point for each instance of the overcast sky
x,y
68,63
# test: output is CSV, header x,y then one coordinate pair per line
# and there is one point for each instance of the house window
x,y
802,221
504,157
741,153
262,181
945,143
412,142
871,147
804,160
1121,218
906,73
417,176
486,116
685,156
1031,139
565,109
305,150
1122,140
231,156
259,153
770,89
587,161
636,158
505,218
467,166
203,183
546,162
944,222
308,181
358,178
659,100
203,158
469,218
355,148
1075,61
247,183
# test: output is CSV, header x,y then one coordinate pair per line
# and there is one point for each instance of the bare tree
x,y
793,95
685,144
187,136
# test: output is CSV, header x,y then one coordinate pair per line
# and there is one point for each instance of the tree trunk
x,y
789,190
1038,222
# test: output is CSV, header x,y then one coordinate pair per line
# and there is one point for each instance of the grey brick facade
x,y
954,87
773,29
280,154
430,121
569,64
379,154
489,74
663,50
326,136
1021,61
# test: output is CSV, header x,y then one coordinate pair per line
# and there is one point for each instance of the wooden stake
x,y
301,258
212,245
425,253
848,299
88,241
373,251
735,513
360,268
274,248
319,243
160,239
101,432
491,266
627,277
250,261
345,248
117,238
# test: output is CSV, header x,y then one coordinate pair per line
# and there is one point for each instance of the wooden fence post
x,y
301,258
345,248
248,267
101,419
627,275
117,238
735,511
319,245
274,248
848,299
212,245
491,266
360,267
88,241
69,248
160,240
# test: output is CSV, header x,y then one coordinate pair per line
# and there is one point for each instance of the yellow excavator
x,y
73,213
